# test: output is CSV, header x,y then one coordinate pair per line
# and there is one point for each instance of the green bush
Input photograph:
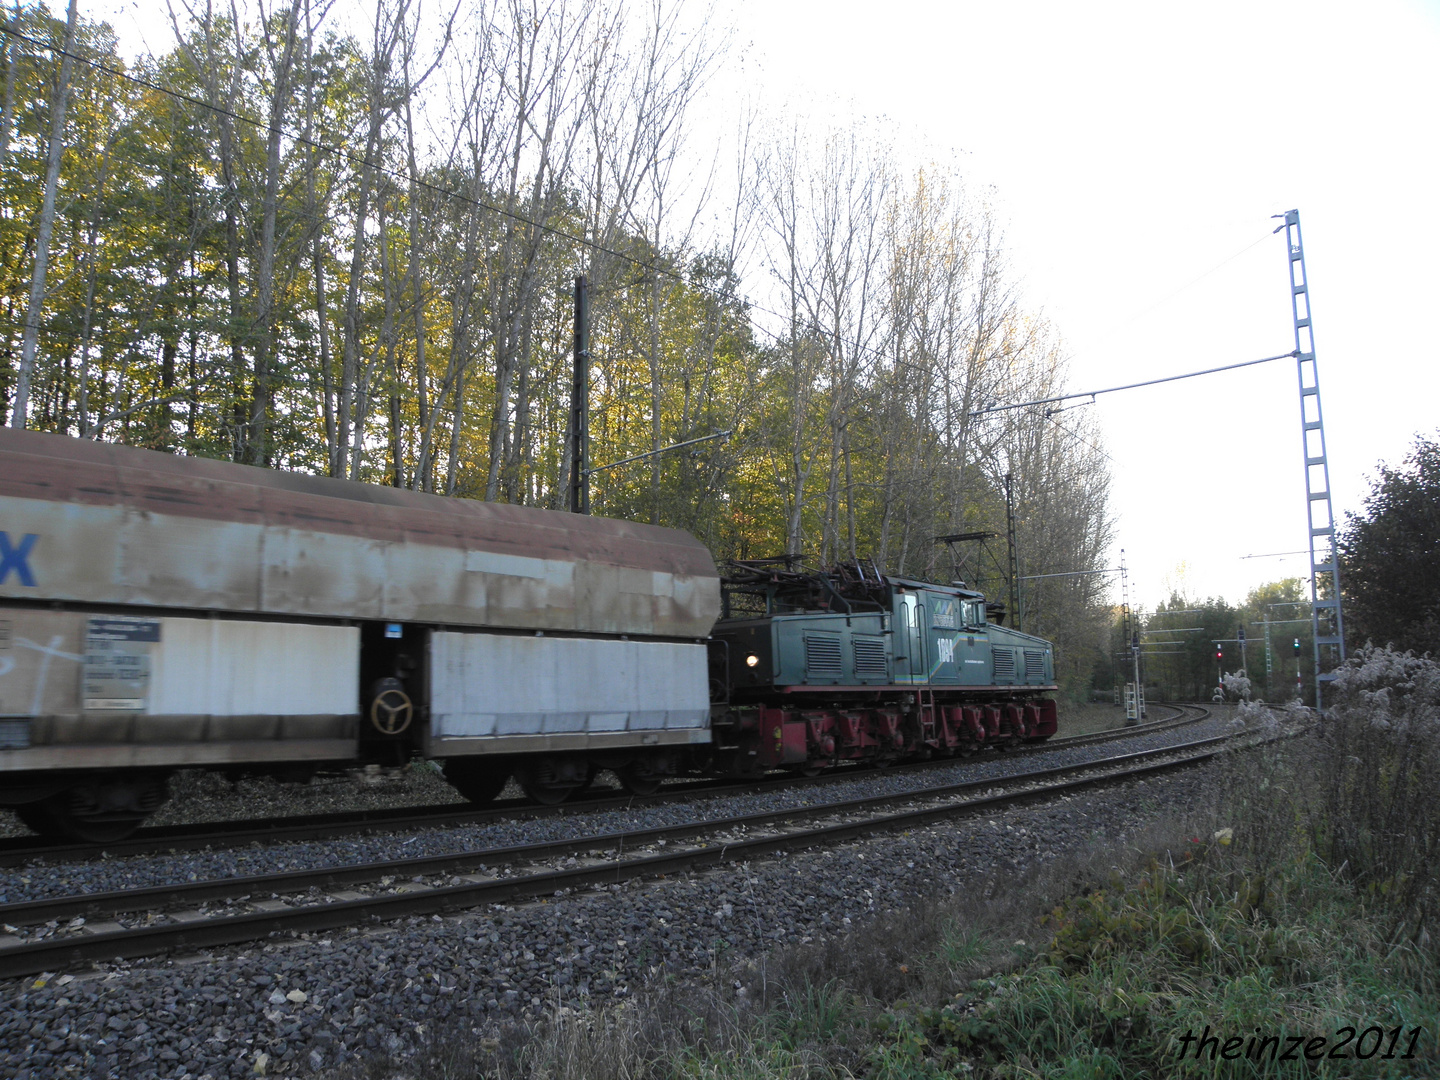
x,y
1197,942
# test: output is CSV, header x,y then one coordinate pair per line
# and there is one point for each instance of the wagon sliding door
x,y
519,693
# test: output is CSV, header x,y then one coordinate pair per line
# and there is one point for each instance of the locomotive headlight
x,y
752,660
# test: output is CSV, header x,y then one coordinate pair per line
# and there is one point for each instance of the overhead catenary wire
x,y
1127,320
1131,386
1049,415
663,450
1069,573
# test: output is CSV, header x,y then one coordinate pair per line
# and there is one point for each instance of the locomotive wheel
x,y
392,710
478,779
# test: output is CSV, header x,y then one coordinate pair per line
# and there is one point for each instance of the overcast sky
x,y
1135,148
1136,152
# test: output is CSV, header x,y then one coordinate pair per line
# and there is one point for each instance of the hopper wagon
x,y
161,612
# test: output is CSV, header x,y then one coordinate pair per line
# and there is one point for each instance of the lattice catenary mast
x,y
1326,622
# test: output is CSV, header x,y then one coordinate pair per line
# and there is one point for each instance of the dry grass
x,y
803,1011
1360,793
1303,900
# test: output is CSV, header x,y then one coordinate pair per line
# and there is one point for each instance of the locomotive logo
x,y
946,609
16,558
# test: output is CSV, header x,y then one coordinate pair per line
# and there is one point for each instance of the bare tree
x,y
12,62
281,58
221,75
381,104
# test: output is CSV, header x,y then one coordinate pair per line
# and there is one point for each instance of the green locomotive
x,y
849,664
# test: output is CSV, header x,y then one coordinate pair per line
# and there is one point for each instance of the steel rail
x,y
186,893
21,850
53,954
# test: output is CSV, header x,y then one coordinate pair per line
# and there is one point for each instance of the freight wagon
x,y
159,612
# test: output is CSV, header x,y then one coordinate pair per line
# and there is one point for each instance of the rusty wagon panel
x,y
236,597
94,523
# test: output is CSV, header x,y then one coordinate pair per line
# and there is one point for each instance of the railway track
x,y
22,850
200,915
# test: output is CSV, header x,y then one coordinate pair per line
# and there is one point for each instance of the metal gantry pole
x,y
1269,655
1327,623
1135,692
1015,599
578,500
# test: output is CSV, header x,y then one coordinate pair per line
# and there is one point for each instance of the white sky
x,y
1133,148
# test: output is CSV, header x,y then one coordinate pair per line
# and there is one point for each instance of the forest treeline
x,y
1188,645
351,253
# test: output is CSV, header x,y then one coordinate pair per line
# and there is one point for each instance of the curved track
x,y
188,837
173,918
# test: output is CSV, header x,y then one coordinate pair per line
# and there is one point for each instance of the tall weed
x,y
1360,792
1379,762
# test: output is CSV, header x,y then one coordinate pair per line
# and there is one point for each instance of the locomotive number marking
x,y
945,649
17,558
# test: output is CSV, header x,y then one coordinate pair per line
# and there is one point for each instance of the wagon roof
x,y
58,468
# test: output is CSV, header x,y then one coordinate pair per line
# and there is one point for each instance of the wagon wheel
x,y
391,711
479,779
550,781
636,779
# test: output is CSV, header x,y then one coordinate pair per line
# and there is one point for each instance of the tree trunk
x,y
424,472
31,340
281,69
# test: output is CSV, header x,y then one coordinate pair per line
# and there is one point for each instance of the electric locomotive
x,y
850,664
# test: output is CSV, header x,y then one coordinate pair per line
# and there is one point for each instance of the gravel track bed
x,y
308,1004
197,796
141,871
